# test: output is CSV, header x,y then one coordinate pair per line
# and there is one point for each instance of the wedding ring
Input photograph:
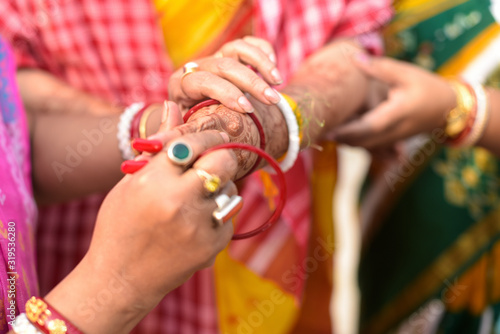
x,y
228,207
210,182
180,153
190,68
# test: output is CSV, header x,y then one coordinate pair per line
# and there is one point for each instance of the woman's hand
x,y
417,102
226,76
154,230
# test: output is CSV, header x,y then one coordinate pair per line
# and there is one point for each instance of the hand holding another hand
x,y
417,102
226,76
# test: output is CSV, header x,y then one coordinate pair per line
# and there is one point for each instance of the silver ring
x,y
227,207
180,153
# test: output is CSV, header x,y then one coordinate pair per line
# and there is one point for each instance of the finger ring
x,y
190,68
210,182
180,153
227,207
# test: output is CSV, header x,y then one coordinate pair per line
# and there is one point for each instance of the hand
x,y
417,102
225,77
154,230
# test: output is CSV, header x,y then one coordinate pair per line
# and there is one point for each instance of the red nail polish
x,y
132,166
145,145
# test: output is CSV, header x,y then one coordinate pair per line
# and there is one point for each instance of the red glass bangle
x,y
134,125
281,185
254,118
47,319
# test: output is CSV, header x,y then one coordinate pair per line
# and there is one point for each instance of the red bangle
x,y
281,185
252,116
47,319
134,125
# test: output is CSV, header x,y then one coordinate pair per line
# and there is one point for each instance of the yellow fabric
x,y
189,26
462,59
263,304
314,317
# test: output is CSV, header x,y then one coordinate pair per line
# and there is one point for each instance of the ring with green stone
x,y
180,153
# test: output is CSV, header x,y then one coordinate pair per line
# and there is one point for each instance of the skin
x,y
415,101
168,242
175,238
322,109
56,110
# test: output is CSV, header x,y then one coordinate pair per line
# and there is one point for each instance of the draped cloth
x,y
115,50
17,208
439,216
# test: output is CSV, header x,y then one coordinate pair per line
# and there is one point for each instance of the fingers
x,y
223,164
225,79
193,143
376,127
387,70
171,118
255,52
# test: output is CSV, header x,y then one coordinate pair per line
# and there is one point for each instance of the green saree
x,y
439,225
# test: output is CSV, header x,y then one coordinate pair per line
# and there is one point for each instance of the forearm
x,y
489,139
42,93
328,89
75,156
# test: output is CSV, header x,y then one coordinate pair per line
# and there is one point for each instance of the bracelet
x,y
144,121
23,326
47,319
281,185
482,116
293,135
297,113
460,119
124,130
254,118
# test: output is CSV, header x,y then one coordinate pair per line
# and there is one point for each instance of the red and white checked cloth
x,y
114,49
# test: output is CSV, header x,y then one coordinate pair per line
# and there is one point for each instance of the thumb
x,y
384,69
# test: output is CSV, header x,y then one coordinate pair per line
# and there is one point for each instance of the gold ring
x,y
190,68
210,182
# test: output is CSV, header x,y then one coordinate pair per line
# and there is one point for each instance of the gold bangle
x,y
143,122
458,118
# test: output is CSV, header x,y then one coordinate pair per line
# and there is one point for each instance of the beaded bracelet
x,y
47,319
254,118
281,185
124,130
23,326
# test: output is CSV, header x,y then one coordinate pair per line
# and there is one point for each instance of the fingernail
x,y
272,57
271,95
145,145
245,104
277,76
131,166
224,136
164,115
363,58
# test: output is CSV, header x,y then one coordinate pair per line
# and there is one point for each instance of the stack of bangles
x,y
40,318
180,153
466,123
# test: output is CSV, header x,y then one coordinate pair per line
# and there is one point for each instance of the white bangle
x,y
482,116
123,133
23,326
293,136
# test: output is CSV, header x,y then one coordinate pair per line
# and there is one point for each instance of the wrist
x,y
96,300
